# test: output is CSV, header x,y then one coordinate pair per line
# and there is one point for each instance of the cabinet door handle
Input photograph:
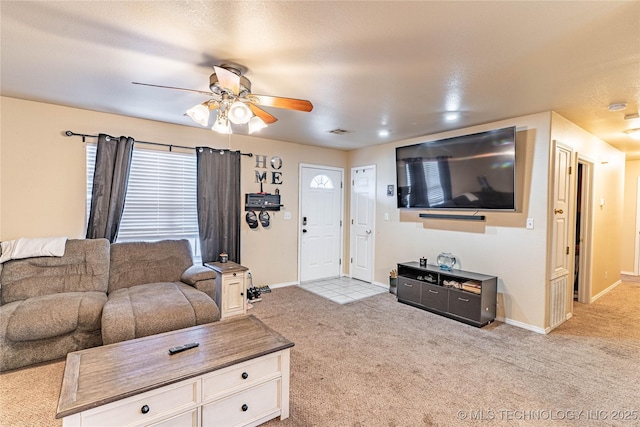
x,y
234,274
145,409
245,375
408,285
433,292
463,299
244,408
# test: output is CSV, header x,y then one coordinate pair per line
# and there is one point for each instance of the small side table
x,y
231,288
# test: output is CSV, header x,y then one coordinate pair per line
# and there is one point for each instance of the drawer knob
x,y
234,274
245,408
145,409
245,375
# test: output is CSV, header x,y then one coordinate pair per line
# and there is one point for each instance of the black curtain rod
x,y
171,146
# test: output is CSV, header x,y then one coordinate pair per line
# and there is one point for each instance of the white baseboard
x,y
629,273
382,285
522,325
604,292
284,285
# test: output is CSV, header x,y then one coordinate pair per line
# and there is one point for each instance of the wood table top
x,y
100,375
225,267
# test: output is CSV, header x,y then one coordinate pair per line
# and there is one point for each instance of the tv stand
x,y
461,295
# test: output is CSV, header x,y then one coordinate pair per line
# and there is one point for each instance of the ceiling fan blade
x,y
266,117
228,80
202,92
279,102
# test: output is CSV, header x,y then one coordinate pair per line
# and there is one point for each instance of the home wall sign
x,y
275,166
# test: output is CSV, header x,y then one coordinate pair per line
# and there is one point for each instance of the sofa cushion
x,y
54,315
137,263
84,267
153,308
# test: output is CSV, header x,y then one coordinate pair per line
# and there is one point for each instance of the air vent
x,y
338,131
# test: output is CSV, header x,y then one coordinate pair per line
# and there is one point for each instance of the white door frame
x,y
352,236
332,168
636,263
586,229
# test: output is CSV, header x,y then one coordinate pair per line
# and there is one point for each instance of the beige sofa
x,y
99,293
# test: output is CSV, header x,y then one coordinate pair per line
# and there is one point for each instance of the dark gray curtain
x,y
110,178
218,203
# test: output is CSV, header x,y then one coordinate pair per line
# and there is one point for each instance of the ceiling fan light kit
x,y
199,114
255,124
239,113
232,97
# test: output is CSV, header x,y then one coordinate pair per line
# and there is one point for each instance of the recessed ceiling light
x,y
383,133
633,133
617,106
451,116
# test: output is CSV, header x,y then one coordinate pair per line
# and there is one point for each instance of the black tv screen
x,y
472,172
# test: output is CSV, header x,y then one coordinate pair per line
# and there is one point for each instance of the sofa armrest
x,y
202,278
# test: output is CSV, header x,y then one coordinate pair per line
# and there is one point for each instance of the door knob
x,y
368,231
558,211
304,230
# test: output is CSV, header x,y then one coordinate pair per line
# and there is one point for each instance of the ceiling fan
x,y
232,98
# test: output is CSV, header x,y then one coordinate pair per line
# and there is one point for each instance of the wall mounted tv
x,y
469,172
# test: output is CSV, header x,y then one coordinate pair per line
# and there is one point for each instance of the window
x,y
435,192
161,197
321,181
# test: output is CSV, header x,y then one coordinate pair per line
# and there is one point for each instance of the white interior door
x,y
320,222
561,202
560,288
362,234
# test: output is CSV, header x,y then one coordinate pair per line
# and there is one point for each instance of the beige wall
x,y
607,232
43,184
501,246
629,250
42,193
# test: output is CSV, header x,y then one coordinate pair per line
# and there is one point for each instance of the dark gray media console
x,y
461,295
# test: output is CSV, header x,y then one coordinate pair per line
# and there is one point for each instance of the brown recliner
x,y
51,306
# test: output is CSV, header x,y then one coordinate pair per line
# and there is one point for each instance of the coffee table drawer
x,y
188,419
244,408
155,404
235,378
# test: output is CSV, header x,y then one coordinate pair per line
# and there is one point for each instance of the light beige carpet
x,y
377,362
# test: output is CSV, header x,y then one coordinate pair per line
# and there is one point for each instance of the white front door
x,y
320,222
363,195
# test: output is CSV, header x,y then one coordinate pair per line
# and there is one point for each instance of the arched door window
x,y
322,182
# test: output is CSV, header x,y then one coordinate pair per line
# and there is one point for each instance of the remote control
x,y
174,350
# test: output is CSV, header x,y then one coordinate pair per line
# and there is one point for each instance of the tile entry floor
x,y
342,290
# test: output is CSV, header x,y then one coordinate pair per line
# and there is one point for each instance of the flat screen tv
x,y
469,172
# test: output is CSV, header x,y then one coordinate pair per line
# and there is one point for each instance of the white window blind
x,y
161,197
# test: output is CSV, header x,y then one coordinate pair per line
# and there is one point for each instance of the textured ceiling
x,y
365,66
